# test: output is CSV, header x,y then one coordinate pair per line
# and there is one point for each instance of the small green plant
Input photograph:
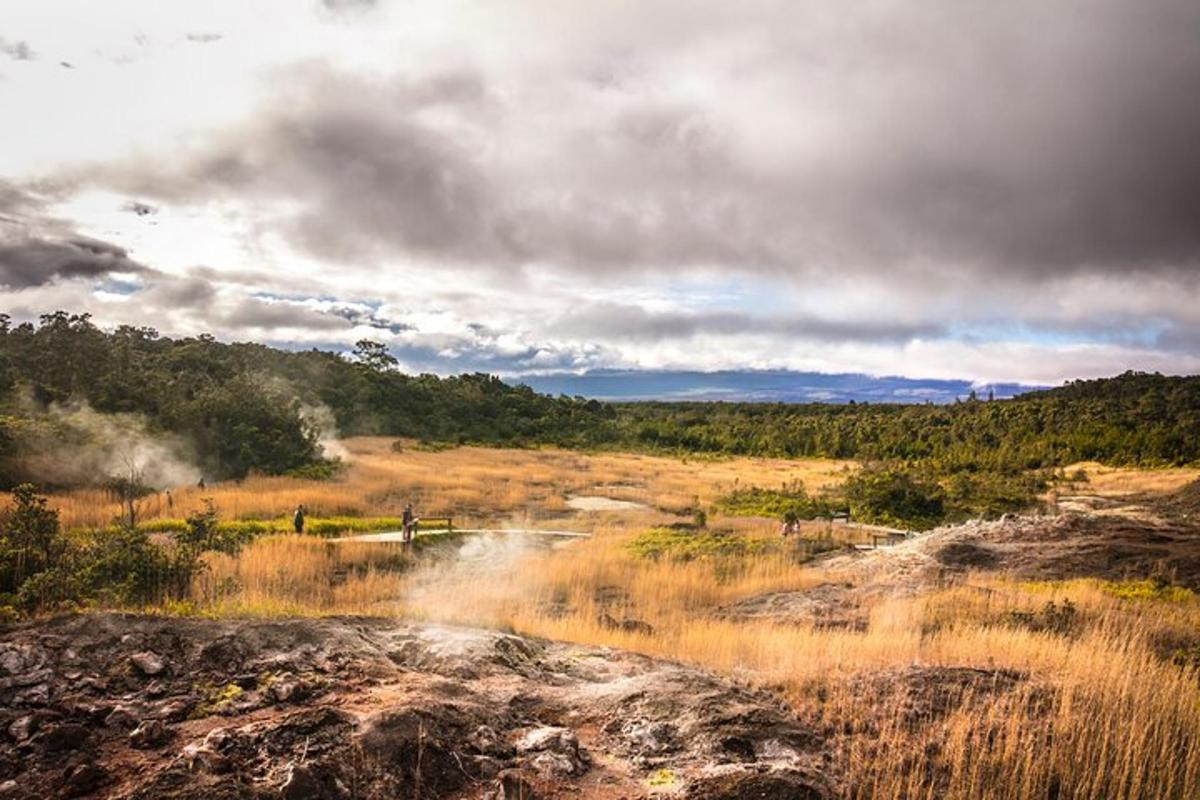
x,y
662,778
217,700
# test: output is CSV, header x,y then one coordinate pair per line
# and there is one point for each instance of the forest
x,y
234,409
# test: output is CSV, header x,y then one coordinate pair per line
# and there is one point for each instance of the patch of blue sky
x,y
119,286
1127,332
300,297
725,294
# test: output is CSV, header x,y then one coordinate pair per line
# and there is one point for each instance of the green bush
x,y
44,569
31,541
991,494
895,496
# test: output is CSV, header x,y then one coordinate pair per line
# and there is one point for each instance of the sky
x,y
953,189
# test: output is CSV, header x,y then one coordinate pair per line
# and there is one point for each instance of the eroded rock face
x,y
136,707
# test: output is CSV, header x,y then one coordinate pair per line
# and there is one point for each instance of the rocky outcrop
x,y
112,705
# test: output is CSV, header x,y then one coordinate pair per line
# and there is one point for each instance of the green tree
x,y
891,495
30,538
374,356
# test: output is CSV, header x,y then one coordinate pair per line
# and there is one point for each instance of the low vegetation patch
x,y
685,544
1149,589
790,502
246,529
1060,618
324,469
217,700
896,494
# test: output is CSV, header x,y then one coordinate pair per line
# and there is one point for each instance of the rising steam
x,y
320,418
90,448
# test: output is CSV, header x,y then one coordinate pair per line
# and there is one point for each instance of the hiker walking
x,y
298,519
409,522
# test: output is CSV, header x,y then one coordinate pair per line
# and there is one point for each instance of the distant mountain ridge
x,y
776,386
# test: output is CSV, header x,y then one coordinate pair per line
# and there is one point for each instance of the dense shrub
x,y
41,568
891,495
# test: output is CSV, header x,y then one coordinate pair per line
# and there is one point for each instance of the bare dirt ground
x,y
142,707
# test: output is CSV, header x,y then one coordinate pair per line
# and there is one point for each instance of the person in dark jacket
x,y
409,523
298,519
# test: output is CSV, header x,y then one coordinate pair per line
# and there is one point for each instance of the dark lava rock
x,y
778,785
512,785
63,738
369,709
301,784
83,779
966,555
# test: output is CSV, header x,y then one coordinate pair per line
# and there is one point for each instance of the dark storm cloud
x,y
611,321
1021,141
359,316
36,249
32,261
366,176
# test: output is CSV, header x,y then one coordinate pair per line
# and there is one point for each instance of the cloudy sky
x,y
945,189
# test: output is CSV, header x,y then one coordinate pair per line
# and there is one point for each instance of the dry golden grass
x,y
300,575
1123,481
1097,712
470,483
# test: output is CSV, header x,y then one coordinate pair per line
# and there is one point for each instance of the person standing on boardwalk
x,y
298,519
409,523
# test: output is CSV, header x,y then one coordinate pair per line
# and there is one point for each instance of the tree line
x,y
246,407
1133,419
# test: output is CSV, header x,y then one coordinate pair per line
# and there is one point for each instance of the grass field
x,y
470,483
1104,481
1100,702
1106,704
